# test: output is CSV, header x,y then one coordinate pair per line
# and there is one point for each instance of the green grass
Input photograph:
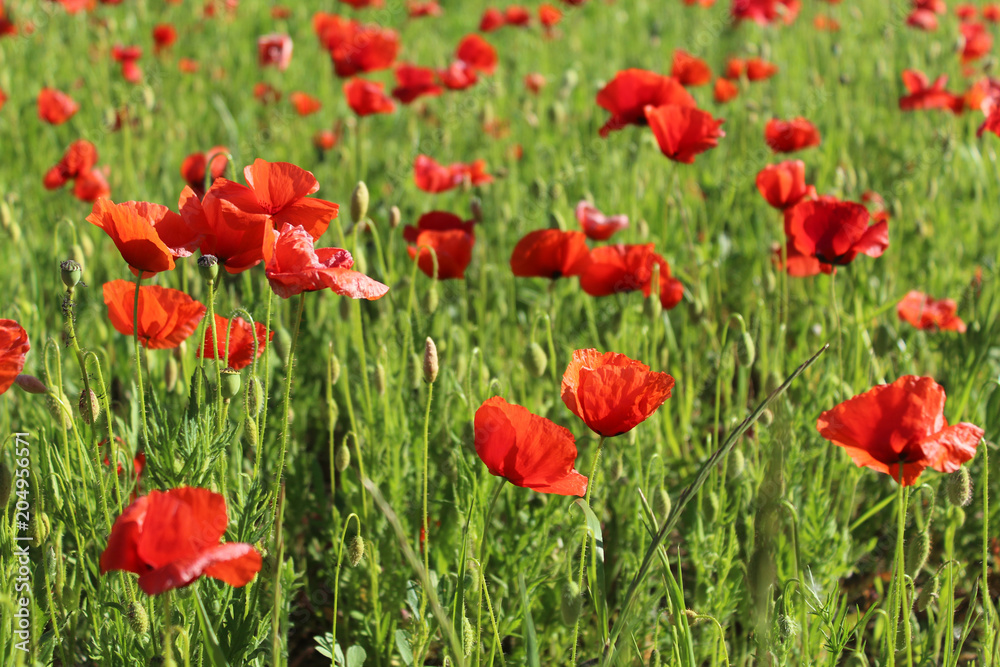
x,y
786,551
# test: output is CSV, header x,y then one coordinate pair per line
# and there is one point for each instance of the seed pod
x,y
746,351
468,636
208,267
359,202
90,407
535,360
138,619
342,457
570,602
231,382
356,550
380,378
430,365
171,373
30,384
6,484
71,272
283,340
959,487
917,552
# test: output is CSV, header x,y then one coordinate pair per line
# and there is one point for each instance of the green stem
x,y
583,544
427,426
336,583
219,416
138,361
286,422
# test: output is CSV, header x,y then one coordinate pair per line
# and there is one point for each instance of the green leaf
x,y
403,646
356,656
599,593
530,640
214,651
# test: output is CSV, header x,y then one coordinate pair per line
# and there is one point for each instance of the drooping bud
x,y
662,505
432,299
929,593
254,399
746,351
138,619
356,550
30,384
917,552
359,202
535,360
959,487
71,273
570,602
380,378
430,360
654,658
334,369
208,267
394,217
90,407
231,382
342,457
468,636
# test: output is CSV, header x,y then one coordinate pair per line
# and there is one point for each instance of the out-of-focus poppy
x,y
172,538
764,12
925,95
790,136
621,268
784,184
826,23
3,98
265,93
241,341
356,48
56,107
683,132
198,165
991,13
759,69
966,12
92,185
167,317
280,12
298,266
190,66
549,16
725,90
631,91
832,232
366,98
700,3
690,70
14,348
549,253
457,76
450,238
734,68
982,95
922,19
325,140
493,19
128,56
611,393
274,50
148,236
534,82
361,4
416,9
413,82
900,425
433,177
527,450
929,314
517,15
477,53
596,225
935,6
992,122
164,36
80,157
304,103
976,41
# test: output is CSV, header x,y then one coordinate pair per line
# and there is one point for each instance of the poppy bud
x,y
41,528
652,307
380,378
359,202
618,471
556,221
138,619
254,399
959,487
557,113
251,432
71,272
50,561
555,191
208,267
570,602
334,411
6,484
787,627
535,360
431,300
231,382
430,361
662,505
476,208
654,658
56,399
446,662
90,407
569,81
394,217
171,373
917,552
14,230
356,550
767,417
737,464
495,388
334,369
342,457
468,636
416,370
928,594
30,384
746,351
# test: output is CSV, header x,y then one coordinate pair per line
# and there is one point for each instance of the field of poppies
x,y
587,332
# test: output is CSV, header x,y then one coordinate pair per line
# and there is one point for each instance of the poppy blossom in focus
x,y
925,95
80,158
433,177
622,267
832,233
164,36
56,107
241,341
527,450
167,317
724,90
764,12
451,239
683,132
784,184
274,50
128,56
416,9
976,42
900,425
759,69
631,91
304,104
414,81
172,538
689,70
298,266
148,236
356,48
596,225
366,98
237,249
197,166
549,253
790,136
929,314
14,348
611,393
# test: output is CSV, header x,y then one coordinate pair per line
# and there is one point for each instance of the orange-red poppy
x,y
448,236
127,57
784,184
683,132
790,136
517,15
596,225
922,19
197,166
241,341
631,91
966,12
926,95
148,236
759,69
534,82
527,450
826,232
356,48
724,90
611,393
549,253
367,98
274,50
621,268
3,98
237,249
56,107
167,317
549,16
734,68
458,76
304,103
992,122
765,12
976,41
430,176
80,157
492,19
14,348
164,36
172,538
991,13
416,9
690,70
900,425
92,185
928,313
414,81
361,4
477,54
190,66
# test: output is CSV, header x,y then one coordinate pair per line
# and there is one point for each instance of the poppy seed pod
x,y
208,267
231,382
71,273
570,602
430,361
356,550
342,457
359,202
395,217
90,407
917,552
138,619
30,384
535,360
959,487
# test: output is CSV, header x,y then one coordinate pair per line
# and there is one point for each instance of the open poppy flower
x,y
80,158
128,56
92,185
925,95
992,122
56,107
198,165
237,249
164,36
611,393
356,48
627,268
458,76
241,341
991,13
689,70
413,82
725,90
922,19
366,98
148,236
833,232
527,450
976,42
900,423
305,104
790,136
596,225
477,54
549,253
765,12
759,69
784,184
631,91
167,317
298,266
274,50
549,17
433,177
683,132
449,237
14,348
534,82
929,314
492,19
172,538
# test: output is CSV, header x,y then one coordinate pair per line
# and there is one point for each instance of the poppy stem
x,y
483,555
138,364
583,544
336,583
218,360
900,608
427,425
168,631
296,321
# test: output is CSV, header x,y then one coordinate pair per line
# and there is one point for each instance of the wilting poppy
x,y
274,50
14,348
55,106
596,225
683,132
198,165
171,538
631,91
413,82
241,341
621,268
433,177
80,157
724,90
305,104
477,53
765,12
128,56
976,41
449,236
611,393
759,69
167,317
356,48
549,253
492,19
929,314
148,236
790,136
925,95
366,98
922,19
784,184
900,424
527,450
832,232
416,9
689,70
164,36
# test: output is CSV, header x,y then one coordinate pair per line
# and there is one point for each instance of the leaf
x,y
214,651
403,646
356,656
601,596
530,640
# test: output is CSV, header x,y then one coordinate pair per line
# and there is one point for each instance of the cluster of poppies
x,y
430,176
518,16
79,166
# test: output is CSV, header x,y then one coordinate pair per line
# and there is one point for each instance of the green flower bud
x,y
380,380
394,217
356,550
231,382
570,602
334,369
50,562
90,407
431,300
654,658
746,351
171,373
208,267
251,432
342,457
917,552
737,464
359,202
928,594
253,401
535,360
138,619
41,528
652,307
430,364
662,505
71,273
958,486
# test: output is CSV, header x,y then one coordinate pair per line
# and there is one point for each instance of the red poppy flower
x,y
197,165
983,95
992,123
784,184
900,423
164,36
922,19
935,6
534,82
725,90
433,177
976,41
596,225
361,4
734,68
56,107
325,140
764,12
549,16
367,98
80,157
929,314
627,268
689,70
92,185
148,236
631,91
3,98
166,316
14,348
241,341
966,12
190,66
611,393
549,253
355,48
527,450
305,104
759,69
127,56
924,95
477,53
833,232
237,249
991,13
274,50
414,81
458,76
415,9
790,136
683,132
298,266
493,19
449,237
517,15
172,538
